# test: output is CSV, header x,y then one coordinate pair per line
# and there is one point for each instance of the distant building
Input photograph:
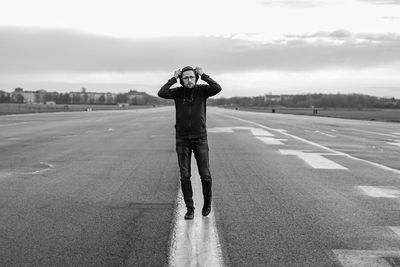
x,y
85,97
19,95
277,98
135,98
272,98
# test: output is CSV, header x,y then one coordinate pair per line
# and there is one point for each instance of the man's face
x,y
189,79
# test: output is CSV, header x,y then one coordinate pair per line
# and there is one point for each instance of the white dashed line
x,y
271,140
380,191
261,134
315,160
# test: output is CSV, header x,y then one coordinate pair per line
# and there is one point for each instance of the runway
x,y
101,189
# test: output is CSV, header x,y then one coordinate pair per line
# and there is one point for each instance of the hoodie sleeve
x,y
166,92
213,88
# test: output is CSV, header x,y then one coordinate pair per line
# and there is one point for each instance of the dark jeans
x,y
199,146
184,148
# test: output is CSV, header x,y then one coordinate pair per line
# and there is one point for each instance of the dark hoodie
x,y
190,106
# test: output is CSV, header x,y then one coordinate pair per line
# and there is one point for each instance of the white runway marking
x,y
5,174
395,229
261,134
317,145
220,130
49,167
315,160
365,258
381,191
270,140
396,143
329,135
12,124
363,131
195,242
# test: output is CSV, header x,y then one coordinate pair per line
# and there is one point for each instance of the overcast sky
x,y
251,47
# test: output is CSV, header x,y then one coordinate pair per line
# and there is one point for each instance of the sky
x,y
250,47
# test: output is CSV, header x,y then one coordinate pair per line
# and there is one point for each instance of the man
x,y
191,133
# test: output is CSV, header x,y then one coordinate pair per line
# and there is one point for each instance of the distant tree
x,y
4,97
20,98
122,98
102,99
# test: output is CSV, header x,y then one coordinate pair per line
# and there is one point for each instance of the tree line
x,y
301,101
132,97
310,100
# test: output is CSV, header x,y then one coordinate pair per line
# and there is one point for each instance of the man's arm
x,y
166,92
213,88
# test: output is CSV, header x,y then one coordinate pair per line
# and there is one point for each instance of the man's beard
x,y
190,85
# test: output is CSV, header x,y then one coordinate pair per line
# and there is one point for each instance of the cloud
x,y
383,2
391,18
294,3
32,50
350,37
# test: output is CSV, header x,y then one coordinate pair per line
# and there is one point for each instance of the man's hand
x,y
199,71
177,73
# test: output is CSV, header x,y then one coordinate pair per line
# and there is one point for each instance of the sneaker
x,y
189,214
206,210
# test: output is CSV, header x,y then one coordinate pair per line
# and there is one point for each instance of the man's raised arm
x,y
213,88
165,91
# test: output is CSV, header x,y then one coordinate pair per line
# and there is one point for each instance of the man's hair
x,y
187,68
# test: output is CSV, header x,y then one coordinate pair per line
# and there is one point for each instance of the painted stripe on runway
x,y
315,160
397,143
220,130
380,191
365,258
271,140
261,134
12,124
195,242
381,166
329,135
395,229
370,132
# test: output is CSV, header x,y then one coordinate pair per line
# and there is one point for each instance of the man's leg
x,y
184,153
201,154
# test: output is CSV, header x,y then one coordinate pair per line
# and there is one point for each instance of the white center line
x,y
195,242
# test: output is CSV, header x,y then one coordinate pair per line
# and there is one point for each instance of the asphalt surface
x,y
100,188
